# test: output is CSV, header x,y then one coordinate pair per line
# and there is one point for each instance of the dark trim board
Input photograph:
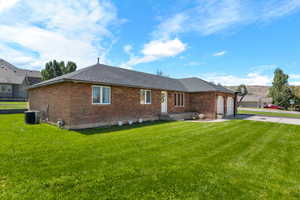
x,y
12,111
13,99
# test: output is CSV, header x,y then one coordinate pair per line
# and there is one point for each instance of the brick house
x,y
103,95
257,97
15,81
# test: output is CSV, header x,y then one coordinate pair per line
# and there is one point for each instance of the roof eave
x,y
96,82
48,83
211,91
124,85
115,84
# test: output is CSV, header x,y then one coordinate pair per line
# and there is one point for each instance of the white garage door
x,y
230,106
220,105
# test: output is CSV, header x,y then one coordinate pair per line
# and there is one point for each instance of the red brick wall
x,y
125,105
177,109
206,103
72,102
53,101
203,103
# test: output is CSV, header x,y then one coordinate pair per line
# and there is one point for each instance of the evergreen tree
x,y
280,91
54,69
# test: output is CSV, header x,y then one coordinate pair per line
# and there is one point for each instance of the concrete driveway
x,y
269,110
283,120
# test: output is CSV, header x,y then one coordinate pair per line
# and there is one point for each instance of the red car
x,y
272,106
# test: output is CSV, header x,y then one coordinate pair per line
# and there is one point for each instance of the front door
x,y
164,102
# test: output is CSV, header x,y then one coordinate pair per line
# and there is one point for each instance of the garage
x,y
230,106
220,105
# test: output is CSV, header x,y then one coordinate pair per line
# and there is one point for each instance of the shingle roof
x,y
104,74
33,80
10,74
198,85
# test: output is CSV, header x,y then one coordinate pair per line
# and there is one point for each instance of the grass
x,y
270,114
13,105
175,160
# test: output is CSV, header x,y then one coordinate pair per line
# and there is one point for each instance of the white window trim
x,y
183,100
101,94
145,96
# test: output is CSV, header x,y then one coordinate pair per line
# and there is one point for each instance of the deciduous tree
x,y
242,92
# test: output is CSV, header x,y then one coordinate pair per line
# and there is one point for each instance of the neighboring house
x,y
14,81
252,101
257,96
104,95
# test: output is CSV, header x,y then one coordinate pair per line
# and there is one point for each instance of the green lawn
x,y
270,114
13,105
176,160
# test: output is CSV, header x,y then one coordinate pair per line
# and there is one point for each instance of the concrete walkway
x,y
269,110
282,120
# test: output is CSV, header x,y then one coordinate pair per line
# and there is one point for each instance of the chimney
x,y
98,60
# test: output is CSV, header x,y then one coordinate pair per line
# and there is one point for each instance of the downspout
x,y
216,105
235,104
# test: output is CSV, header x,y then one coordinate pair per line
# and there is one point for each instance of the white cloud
x,y
194,63
7,4
213,16
50,45
170,26
18,57
296,83
258,76
127,49
295,76
231,80
64,30
167,48
219,15
264,68
155,50
208,17
294,79
220,53
278,8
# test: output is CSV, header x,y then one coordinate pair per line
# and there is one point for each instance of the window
x,y
101,95
145,97
179,99
5,88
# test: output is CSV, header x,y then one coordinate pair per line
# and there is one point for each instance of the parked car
x,y
297,108
272,106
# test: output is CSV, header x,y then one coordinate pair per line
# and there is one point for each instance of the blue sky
x,y
225,41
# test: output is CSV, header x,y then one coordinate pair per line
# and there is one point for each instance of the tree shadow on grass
x,y
109,129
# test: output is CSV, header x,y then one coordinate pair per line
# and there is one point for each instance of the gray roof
x,y
109,75
198,85
10,74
